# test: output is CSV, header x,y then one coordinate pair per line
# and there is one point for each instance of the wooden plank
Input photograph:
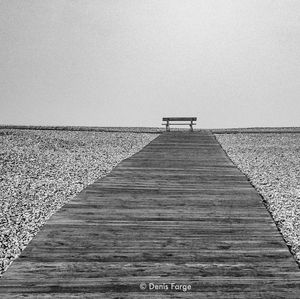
x,y
177,211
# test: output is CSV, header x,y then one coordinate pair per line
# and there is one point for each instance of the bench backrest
x,y
179,118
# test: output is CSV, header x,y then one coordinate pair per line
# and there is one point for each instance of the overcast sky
x,y
231,63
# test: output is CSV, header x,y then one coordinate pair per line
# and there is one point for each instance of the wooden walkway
x,y
176,212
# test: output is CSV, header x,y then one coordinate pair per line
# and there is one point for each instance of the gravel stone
x,y
272,163
41,170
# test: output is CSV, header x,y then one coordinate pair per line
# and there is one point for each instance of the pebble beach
x,y
41,170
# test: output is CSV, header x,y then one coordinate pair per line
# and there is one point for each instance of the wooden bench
x,y
185,119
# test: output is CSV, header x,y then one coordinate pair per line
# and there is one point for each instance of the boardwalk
x,y
176,212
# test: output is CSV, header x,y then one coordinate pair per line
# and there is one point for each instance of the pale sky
x,y
231,63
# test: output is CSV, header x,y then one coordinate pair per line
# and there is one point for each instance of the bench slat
x,y
179,124
179,118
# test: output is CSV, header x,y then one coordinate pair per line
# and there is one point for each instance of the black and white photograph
x,y
150,149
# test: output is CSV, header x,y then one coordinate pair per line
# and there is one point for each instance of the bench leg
x,y
167,126
191,126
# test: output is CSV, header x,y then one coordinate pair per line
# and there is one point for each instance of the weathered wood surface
x,y
178,211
